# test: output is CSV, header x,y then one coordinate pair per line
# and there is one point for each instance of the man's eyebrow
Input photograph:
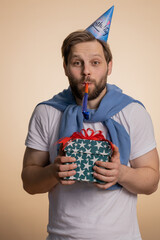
x,y
75,56
96,55
78,56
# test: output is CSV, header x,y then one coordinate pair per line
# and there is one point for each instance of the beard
x,y
79,92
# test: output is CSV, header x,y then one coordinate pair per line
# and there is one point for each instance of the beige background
x,y
31,70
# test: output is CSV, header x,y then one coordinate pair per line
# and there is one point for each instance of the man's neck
x,y
93,104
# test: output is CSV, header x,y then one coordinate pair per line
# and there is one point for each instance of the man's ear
x,y
65,69
109,67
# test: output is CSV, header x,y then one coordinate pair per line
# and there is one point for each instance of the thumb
x,y
116,155
61,152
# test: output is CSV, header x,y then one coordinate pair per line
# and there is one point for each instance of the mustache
x,y
87,79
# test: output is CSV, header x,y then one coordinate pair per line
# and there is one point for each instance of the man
x,y
80,210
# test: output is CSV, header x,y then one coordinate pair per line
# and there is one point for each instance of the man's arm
x,y
142,177
40,176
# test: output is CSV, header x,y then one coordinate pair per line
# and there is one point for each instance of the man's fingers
x,y
67,167
116,154
66,174
64,159
104,171
61,152
104,186
67,182
106,165
104,178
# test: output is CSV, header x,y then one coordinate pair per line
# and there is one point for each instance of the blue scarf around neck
x,y
112,103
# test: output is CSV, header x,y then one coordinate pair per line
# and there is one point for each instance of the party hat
x,y
100,28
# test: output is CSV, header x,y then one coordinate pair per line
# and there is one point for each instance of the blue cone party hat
x,y
100,28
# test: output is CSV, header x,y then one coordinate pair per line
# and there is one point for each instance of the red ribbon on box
x,y
88,134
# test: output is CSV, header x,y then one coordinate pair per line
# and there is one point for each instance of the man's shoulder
x,y
133,114
134,107
43,109
45,113
131,109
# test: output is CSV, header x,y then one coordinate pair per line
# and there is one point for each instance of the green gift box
x,y
87,152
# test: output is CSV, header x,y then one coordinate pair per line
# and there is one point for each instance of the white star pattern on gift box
x,y
87,165
80,172
87,152
98,144
82,144
94,159
75,150
86,179
103,153
79,158
71,143
72,177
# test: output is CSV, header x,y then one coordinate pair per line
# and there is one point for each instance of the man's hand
x,y
40,176
141,178
65,170
109,172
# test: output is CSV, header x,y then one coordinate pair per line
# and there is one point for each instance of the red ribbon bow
x,y
88,134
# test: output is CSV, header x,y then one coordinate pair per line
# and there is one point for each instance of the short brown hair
x,y
82,36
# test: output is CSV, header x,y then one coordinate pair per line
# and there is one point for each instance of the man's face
x,y
87,64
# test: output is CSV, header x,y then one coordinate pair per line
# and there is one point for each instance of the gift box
x,y
87,151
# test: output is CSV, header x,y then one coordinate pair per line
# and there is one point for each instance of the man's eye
x,y
95,62
77,63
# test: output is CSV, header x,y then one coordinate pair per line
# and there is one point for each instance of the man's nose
x,y
86,70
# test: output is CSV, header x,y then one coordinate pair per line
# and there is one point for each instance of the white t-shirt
x,y
82,211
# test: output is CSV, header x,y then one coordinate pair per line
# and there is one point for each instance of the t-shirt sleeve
x,y
141,131
37,137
